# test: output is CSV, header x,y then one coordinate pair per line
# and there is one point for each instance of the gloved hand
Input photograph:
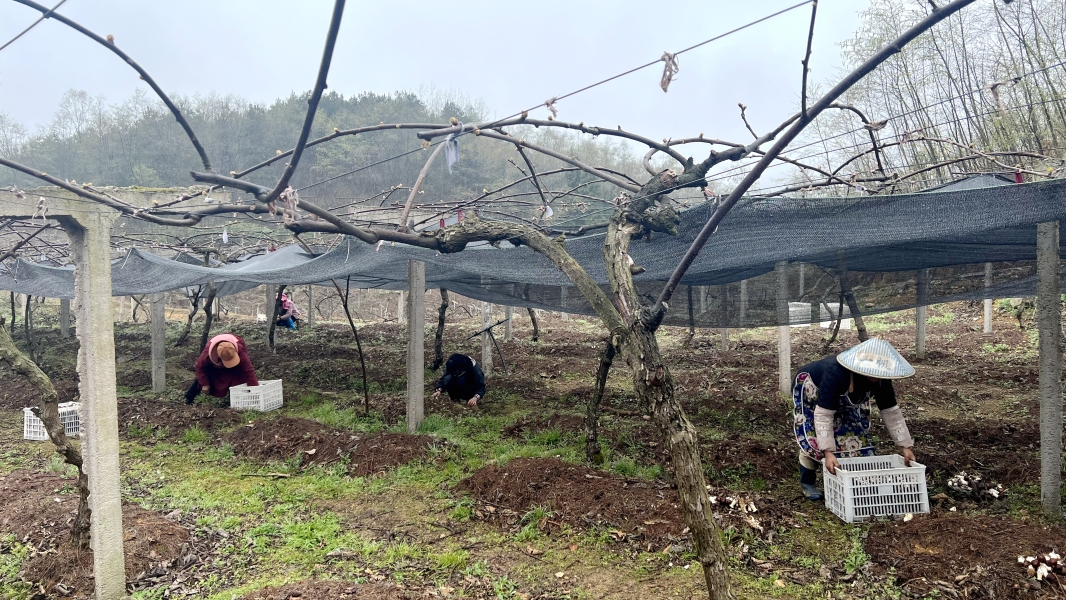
x,y
193,392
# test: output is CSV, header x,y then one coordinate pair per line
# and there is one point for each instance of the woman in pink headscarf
x,y
223,364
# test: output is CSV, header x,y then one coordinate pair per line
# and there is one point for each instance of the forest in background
x,y
954,102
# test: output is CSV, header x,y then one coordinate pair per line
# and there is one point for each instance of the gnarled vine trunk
x,y
438,340
48,413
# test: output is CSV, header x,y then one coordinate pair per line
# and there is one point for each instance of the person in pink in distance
x,y
831,407
223,364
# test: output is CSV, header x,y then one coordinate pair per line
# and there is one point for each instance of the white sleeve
x,y
824,430
897,427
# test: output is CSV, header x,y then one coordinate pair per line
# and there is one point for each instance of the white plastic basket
x,y
33,428
868,487
263,397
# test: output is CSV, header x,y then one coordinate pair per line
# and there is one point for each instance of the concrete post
x,y
562,301
988,301
486,342
90,237
703,299
922,293
64,317
416,344
508,332
310,305
401,318
743,316
1048,315
784,333
159,342
801,282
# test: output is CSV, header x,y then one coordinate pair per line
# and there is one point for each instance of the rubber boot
x,y
809,484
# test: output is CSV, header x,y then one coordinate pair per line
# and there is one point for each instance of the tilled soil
x,y
38,510
940,552
316,444
377,453
156,418
579,497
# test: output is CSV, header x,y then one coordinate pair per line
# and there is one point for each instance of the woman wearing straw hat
x,y
831,405
223,364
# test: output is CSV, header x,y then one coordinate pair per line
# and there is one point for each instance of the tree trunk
x,y
274,317
592,414
836,326
195,301
48,413
849,297
655,387
536,327
358,344
27,327
438,341
209,315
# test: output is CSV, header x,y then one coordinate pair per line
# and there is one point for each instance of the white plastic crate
x,y
868,487
263,397
33,428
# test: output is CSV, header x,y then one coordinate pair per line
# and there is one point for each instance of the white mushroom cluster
x,y
1043,567
971,484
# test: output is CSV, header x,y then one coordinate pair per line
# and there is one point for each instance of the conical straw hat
x,y
876,358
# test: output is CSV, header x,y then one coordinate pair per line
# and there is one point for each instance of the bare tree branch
x,y
418,185
477,128
654,318
312,102
807,61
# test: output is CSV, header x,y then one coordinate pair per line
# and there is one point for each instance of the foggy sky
x,y
509,54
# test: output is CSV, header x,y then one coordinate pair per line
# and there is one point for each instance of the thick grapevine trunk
x,y
655,388
438,340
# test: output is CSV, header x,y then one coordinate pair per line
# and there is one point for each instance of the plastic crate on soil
x,y
868,487
33,428
263,397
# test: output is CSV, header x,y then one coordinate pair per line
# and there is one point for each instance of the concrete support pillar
x,y
988,301
486,342
159,342
922,293
562,301
703,299
743,316
801,281
90,236
416,344
508,331
784,334
310,305
1048,316
64,317
401,318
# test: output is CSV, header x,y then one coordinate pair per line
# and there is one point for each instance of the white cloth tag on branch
x,y
670,69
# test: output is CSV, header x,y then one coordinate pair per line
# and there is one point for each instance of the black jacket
x,y
462,378
833,381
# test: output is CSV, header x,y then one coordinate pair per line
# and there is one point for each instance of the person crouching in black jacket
x,y
463,380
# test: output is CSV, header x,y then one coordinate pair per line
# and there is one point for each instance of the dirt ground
x,y
39,509
315,444
328,590
972,406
